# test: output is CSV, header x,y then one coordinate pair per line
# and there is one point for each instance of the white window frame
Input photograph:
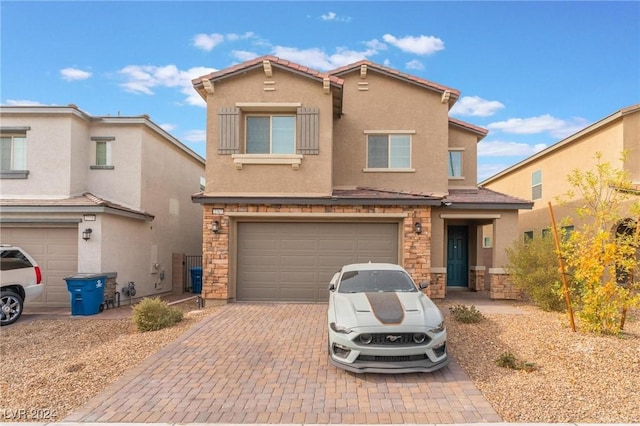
x,y
536,185
389,134
461,174
271,116
18,152
107,141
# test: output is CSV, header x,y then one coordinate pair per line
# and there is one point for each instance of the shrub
x,y
155,314
465,314
509,360
533,267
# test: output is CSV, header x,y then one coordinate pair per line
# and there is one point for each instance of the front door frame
x,y
457,256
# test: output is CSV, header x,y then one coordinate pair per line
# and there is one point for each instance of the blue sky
x,y
530,72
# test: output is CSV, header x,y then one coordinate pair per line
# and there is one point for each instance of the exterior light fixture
x,y
215,226
417,227
86,234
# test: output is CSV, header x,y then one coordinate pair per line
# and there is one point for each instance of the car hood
x,y
376,309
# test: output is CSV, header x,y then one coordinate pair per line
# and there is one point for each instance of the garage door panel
x,y
303,257
56,251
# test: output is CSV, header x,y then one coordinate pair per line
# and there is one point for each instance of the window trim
x,y
461,151
388,133
109,159
15,132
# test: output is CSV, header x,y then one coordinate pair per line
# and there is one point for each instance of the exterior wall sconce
x,y
215,226
86,234
417,227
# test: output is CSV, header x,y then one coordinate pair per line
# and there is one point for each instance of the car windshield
x,y
375,281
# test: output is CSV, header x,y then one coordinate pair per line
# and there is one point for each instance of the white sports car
x,y
381,322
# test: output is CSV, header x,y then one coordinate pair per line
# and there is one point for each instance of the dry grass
x,y
51,367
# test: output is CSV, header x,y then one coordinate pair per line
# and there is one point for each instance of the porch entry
x,y
457,256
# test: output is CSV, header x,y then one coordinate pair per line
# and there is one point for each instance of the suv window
x,y
13,259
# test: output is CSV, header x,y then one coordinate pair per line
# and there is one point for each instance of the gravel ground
x,y
49,369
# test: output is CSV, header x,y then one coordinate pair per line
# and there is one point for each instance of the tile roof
x,y
85,200
476,129
393,72
374,193
484,196
274,60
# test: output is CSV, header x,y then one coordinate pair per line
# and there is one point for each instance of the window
x,y
455,164
546,232
486,242
392,151
103,153
13,152
528,236
536,185
271,134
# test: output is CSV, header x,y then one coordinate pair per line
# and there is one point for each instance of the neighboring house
x,y
86,194
308,171
543,176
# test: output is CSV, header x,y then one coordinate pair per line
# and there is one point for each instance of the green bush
x,y
155,314
533,267
465,314
509,360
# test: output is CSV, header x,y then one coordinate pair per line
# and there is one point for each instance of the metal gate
x,y
189,263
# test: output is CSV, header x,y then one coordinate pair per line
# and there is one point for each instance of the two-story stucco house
x,y
86,194
308,171
543,176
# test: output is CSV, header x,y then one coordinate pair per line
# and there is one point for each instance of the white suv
x,y
21,281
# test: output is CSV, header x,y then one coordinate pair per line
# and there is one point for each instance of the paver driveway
x,y
267,363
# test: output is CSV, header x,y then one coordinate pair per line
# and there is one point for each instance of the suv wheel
x,y
10,307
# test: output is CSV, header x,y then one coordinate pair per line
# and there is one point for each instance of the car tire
x,y
11,305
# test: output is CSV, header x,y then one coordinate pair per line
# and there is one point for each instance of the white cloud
x,y
195,136
74,74
236,37
332,16
487,170
243,55
414,65
375,44
24,102
207,41
475,106
421,45
544,123
317,59
143,79
168,127
506,148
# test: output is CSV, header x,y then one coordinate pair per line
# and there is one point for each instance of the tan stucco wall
x,y
314,175
631,135
555,167
390,104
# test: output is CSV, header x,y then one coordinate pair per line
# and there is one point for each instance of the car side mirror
x,y
423,285
332,287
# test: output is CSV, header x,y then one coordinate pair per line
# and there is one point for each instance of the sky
x,y
532,73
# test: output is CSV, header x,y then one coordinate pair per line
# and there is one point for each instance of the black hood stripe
x,y
386,307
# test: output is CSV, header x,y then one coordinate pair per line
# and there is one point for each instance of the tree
x,y
602,253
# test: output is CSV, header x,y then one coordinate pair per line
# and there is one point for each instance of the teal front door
x,y
457,257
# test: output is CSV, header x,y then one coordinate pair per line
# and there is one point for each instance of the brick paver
x,y
268,363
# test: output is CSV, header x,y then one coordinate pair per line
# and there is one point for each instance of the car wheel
x,y
10,307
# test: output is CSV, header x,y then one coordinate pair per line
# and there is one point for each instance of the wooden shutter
x,y
308,132
229,130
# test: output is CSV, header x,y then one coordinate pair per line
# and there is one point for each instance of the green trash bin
x,y
86,293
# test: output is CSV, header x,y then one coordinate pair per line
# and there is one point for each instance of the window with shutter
x,y
229,131
308,131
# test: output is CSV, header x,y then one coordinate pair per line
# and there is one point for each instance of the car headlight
x,y
340,329
439,328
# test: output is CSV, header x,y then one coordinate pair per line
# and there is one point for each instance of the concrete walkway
x,y
267,363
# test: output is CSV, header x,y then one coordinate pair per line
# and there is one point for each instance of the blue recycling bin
x,y
196,279
86,293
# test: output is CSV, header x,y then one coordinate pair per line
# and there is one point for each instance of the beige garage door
x,y
294,262
56,251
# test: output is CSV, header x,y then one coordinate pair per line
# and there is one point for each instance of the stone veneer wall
x,y
476,277
416,249
501,285
438,285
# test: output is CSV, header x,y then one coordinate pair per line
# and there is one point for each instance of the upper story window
x,y
389,151
536,185
13,153
102,153
455,164
271,134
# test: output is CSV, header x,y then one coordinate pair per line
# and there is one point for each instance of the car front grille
x,y
393,339
404,358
